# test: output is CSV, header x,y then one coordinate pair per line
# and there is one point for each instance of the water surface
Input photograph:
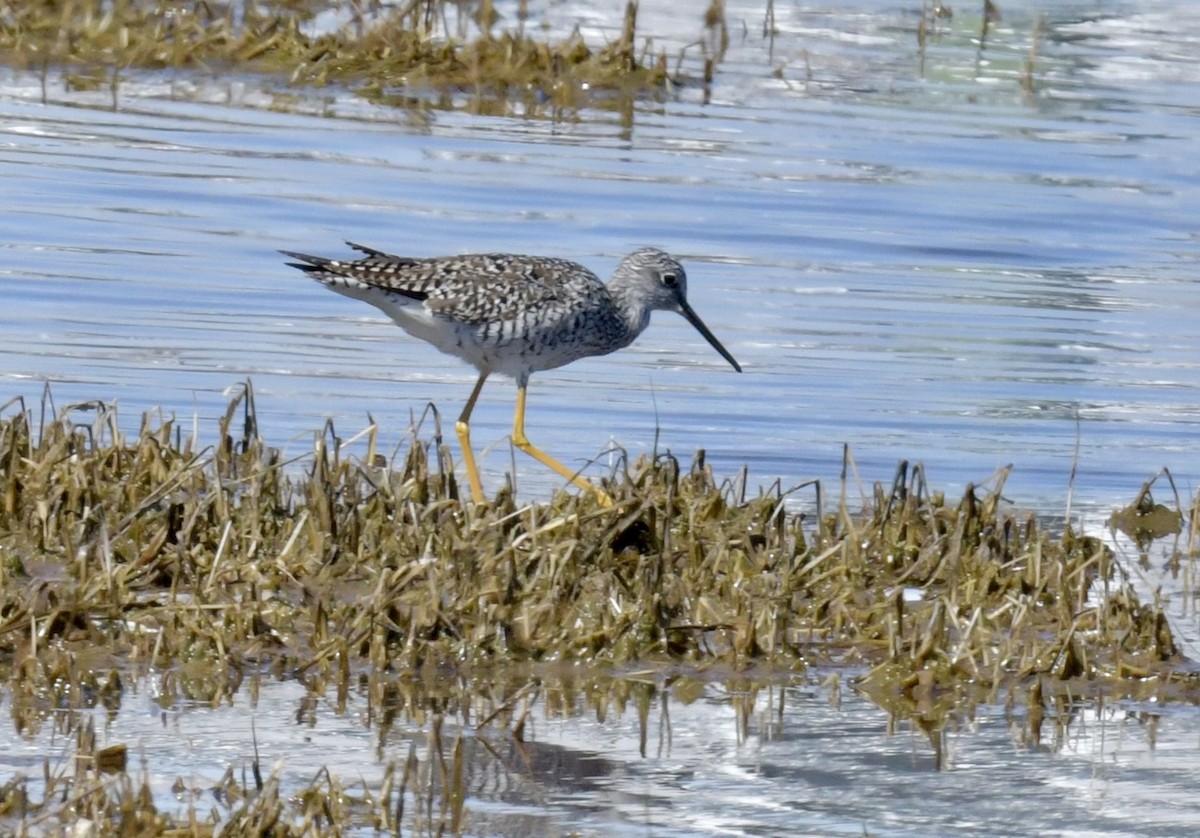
x,y
690,759
912,257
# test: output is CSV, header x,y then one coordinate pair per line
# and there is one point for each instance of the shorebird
x,y
514,315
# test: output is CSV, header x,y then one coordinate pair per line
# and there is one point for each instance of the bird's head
x,y
659,283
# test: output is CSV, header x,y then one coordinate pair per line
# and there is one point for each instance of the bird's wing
x,y
473,289
495,288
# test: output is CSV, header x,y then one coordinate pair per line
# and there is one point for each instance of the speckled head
x,y
658,282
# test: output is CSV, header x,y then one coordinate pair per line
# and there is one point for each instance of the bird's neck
x,y
634,312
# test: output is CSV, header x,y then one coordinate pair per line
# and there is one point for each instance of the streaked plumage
x,y
513,314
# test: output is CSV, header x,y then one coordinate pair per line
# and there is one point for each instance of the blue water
x,y
920,262
714,759
930,266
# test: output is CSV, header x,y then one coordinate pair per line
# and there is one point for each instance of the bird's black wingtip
x,y
304,261
372,253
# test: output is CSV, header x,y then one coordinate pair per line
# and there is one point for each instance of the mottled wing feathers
x,y
374,271
494,287
473,290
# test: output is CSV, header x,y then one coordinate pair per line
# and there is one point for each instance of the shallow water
x,y
711,759
933,266
919,262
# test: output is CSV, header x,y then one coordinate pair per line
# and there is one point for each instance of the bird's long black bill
x,y
694,319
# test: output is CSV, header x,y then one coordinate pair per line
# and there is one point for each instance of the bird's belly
x,y
520,353
509,348
479,346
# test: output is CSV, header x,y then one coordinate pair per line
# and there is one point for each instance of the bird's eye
x,y
670,280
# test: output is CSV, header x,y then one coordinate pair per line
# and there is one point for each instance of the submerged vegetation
x,y
224,563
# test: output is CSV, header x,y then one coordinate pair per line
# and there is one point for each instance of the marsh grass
x,y
425,54
152,549
390,54
222,564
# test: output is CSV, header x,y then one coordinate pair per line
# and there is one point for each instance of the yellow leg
x,y
521,441
463,427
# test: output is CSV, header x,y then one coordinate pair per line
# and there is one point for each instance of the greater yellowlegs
x,y
513,315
